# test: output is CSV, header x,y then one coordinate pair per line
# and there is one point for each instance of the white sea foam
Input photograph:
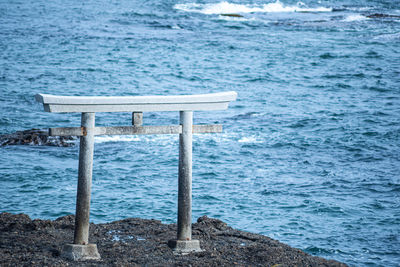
x,y
136,138
387,37
115,138
164,139
367,8
230,8
250,139
355,17
225,137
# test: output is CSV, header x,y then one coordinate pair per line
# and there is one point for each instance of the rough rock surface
x,y
138,242
379,15
36,137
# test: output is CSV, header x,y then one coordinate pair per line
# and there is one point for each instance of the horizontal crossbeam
x,y
134,130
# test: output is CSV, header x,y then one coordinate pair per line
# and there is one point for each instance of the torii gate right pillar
x,y
184,243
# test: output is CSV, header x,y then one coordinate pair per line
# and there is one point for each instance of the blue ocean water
x,y
310,153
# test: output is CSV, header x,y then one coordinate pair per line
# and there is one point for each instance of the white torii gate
x,y
88,106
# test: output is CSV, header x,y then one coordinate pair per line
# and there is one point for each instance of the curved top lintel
x,y
215,101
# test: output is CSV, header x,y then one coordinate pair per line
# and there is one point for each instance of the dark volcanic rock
x,y
379,15
138,242
232,15
36,137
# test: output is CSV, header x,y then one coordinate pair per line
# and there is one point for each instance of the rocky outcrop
x,y
140,242
38,137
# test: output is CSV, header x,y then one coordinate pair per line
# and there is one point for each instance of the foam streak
x,y
230,8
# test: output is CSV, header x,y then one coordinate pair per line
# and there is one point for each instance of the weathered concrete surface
x,y
185,177
85,171
76,252
38,137
216,101
184,247
138,242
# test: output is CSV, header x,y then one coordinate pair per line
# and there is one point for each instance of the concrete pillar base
x,y
184,247
80,252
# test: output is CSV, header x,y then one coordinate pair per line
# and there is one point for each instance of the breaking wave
x,y
230,8
355,17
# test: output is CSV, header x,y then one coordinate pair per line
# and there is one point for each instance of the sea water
x,y
310,151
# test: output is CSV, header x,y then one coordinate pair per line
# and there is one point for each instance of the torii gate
x,y
88,106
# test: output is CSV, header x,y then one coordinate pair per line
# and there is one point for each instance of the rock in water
x,y
379,15
232,15
38,137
